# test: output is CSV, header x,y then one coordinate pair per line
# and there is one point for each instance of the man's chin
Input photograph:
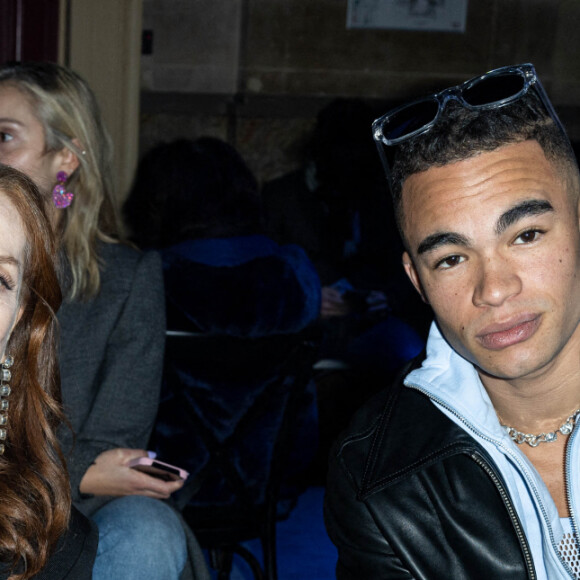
x,y
517,366
511,362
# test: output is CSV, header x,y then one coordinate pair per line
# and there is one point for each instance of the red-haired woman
x,y
39,535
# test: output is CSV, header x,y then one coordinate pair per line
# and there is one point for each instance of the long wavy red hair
x,y
35,498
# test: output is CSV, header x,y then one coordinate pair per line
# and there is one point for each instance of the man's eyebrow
x,y
433,241
524,209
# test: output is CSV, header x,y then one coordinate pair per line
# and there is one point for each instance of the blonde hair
x,y
69,113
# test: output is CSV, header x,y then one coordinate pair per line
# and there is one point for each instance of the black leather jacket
x,y
411,495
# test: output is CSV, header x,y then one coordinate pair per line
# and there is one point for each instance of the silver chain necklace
x,y
534,440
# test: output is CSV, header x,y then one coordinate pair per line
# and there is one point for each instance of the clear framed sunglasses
x,y
492,90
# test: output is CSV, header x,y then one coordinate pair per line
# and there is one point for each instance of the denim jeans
x,y
139,537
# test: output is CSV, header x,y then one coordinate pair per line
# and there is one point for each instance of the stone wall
x,y
255,72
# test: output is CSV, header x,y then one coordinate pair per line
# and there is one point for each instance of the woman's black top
x,y
74,555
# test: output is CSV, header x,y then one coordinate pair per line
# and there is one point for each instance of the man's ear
x,y
411,272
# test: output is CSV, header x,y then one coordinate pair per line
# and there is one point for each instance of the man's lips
x,y
498,336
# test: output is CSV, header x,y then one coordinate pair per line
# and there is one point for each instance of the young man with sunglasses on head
x,y
469,466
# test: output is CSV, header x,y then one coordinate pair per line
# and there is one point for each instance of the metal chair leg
x,y
251,560
221,560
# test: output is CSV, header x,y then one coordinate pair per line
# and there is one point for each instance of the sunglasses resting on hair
x,y
492,90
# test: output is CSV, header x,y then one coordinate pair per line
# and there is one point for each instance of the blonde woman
x,y
112,320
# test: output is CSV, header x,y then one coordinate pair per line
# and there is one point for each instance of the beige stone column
x,y
103,44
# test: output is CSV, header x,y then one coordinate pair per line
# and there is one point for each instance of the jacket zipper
x,y
511,511
568,459
517,460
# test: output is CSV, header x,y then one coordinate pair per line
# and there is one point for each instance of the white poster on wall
x,y
440,15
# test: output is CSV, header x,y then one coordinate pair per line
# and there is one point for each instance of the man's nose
x,y
497,282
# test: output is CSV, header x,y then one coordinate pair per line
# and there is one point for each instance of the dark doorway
x,y
29,30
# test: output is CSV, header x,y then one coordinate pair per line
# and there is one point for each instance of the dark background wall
x,y
255,72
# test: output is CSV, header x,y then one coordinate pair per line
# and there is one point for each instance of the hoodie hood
x,y
453,382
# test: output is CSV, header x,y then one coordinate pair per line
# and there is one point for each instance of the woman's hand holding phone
x,y
111,474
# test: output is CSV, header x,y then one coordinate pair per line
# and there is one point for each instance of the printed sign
x,y
440,15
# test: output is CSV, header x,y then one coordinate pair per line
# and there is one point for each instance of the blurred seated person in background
x,y
222,274
200,203
40,535
336,209
111,322
332,206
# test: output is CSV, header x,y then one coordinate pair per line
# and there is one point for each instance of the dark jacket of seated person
x,y
251,288
74,554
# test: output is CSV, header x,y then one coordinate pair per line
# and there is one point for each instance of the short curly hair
x,y
461,133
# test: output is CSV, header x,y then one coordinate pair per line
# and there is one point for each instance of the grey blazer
x,y
111,361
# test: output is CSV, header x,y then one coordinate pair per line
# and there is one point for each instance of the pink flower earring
x,y
60,196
